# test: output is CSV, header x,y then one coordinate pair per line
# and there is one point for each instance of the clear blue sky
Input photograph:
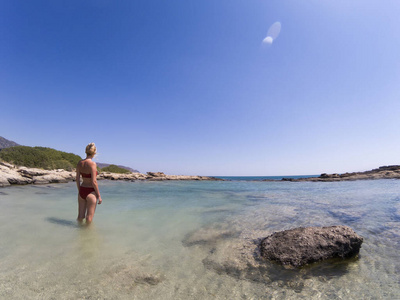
x,y
186,87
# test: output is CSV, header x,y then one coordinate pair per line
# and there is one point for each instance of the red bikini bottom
x,y
85,191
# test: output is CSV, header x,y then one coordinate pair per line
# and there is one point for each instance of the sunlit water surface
x,y
194,240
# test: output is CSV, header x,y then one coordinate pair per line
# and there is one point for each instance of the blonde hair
x,y
91,149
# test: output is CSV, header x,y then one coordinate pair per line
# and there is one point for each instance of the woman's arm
x,y
94,181
78,177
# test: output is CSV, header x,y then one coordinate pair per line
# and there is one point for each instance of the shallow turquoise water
x,y
194,240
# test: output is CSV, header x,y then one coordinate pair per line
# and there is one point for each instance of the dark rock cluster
x,y
300,246
384,172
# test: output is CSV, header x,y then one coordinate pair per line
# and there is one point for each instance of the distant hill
x,y
45,158
39,157
4,143
115,169
104,165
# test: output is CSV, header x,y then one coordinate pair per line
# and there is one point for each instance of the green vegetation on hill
x,y
114,169
39,157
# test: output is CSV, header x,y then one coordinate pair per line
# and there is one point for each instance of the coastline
x,y
384,172
19,175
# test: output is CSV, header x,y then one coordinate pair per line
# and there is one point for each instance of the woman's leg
x,y
81,209
91,202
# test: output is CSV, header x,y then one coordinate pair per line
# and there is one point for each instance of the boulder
x,y
119,176
50,178
12,176
5,164
3,180
157,178
68,175
300,246
156,174
116,176
24,171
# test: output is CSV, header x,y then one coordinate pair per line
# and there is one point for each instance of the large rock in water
x,y
300,246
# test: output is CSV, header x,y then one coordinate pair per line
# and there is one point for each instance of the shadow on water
x,y
225,262
291,278
394,214
346,217
68,223
295,278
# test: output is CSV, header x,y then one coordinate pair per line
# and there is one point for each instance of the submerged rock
x,y
207,236
300,246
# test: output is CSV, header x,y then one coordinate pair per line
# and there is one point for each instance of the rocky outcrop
x,y
300,246
152,176
125,176
10,174
51,178
385,172
157,176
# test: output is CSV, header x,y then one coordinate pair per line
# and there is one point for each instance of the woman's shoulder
x,y
91,164
86,162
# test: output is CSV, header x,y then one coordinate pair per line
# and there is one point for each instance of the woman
x,y
88,189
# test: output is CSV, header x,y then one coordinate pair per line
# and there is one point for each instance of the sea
x,y
194,240
263,178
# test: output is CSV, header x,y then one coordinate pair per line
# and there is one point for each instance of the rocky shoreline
x,y
385,172
15,175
